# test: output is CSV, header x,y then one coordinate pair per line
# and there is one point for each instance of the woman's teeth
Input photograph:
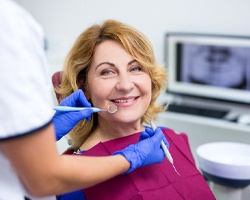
x,y
123,100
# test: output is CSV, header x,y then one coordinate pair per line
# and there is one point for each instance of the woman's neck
x,y
109,131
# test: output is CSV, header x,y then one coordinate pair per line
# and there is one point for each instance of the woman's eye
x,y
136,68
106,72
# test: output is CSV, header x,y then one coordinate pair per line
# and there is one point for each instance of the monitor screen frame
x,y
172,39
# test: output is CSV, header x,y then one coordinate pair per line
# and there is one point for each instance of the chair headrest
x,y
56,81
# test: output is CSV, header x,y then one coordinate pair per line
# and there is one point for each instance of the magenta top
x,y
153,182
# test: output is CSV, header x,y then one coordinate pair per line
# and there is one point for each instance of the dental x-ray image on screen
x,y
221,66
210,66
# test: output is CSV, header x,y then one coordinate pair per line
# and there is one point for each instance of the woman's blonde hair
x,y
79,61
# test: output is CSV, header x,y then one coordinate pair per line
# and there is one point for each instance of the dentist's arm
x,y
44,172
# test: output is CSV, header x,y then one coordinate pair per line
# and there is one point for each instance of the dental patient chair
x,y
56,81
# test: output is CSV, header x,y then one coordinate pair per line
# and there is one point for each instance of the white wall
x,y
64,20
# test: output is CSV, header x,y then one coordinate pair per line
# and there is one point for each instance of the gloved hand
x,y
145,152
66,121
149,132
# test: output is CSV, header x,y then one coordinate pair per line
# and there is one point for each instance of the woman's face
x,y
116,78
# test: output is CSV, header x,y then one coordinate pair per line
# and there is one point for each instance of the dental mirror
x,y
112,108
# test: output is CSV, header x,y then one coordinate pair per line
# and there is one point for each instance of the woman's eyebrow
x,y
112,64
131,62
104,63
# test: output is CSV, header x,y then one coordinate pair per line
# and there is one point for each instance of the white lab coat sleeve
x,y
26,101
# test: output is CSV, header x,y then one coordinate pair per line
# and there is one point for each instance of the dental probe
x,y
71,109
165,149
111,109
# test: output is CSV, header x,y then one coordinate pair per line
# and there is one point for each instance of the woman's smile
x,y
125,101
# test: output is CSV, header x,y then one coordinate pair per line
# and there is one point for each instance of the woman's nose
x,y
124,83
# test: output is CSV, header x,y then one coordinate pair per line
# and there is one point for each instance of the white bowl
x,y
227,160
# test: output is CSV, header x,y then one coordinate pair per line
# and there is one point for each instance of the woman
x,y
114,64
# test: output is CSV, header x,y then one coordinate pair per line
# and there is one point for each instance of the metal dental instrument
x,y
111,109
165,149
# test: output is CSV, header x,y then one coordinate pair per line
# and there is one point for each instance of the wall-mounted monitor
x,y
209,66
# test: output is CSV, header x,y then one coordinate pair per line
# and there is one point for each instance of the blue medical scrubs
x,y
76,195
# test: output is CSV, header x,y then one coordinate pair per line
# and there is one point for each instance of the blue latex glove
x,y
145,152
149,132
64,122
